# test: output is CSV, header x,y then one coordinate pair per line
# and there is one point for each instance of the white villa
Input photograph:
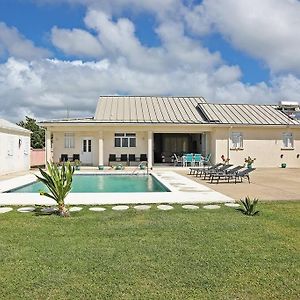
x,y
128,127
14,148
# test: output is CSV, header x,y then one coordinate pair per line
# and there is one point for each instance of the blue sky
x,y
226,51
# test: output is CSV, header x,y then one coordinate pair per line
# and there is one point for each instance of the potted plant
x,y
249,161
119,167
225,160
77,164
100,167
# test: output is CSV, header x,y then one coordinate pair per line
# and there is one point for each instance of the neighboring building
x,y
14,148
161,126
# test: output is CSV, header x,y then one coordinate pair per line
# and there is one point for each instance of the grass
x,y
176,254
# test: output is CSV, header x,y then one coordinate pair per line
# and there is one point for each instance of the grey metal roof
x,y
149,109
179,110
4,124
245,114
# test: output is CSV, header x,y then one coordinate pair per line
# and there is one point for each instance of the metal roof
x,y
179,110
11,126
149,109
245,114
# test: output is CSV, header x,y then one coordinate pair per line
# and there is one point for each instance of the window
x,y
69,140
125,140
287,140
236,140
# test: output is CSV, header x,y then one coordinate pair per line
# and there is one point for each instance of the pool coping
x,y
182,190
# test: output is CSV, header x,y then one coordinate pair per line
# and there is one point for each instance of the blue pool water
x,y
104,184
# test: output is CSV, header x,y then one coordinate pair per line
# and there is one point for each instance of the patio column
x,y
100,153
48,146
150,149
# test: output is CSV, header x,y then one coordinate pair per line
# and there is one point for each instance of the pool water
x,y
104,184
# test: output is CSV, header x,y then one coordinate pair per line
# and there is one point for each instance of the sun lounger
x,y
194,170
208,173
225,174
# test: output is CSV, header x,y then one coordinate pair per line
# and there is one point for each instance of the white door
x,y
86,151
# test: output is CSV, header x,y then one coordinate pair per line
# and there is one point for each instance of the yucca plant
x,y
248,206
59,183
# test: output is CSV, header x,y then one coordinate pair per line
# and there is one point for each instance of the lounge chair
x,y
203,169
208,173
225,174
143,157
194,170
243,174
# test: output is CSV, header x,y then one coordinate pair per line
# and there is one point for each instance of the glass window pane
x,y
84,146
130,134
119,134
132,142
124,142
89,145
117,142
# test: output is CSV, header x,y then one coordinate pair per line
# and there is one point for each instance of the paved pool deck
x,y
268,184
183,190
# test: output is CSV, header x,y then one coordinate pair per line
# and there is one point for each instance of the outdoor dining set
x,y
191,159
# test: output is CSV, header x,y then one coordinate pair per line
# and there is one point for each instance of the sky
x,y
58,56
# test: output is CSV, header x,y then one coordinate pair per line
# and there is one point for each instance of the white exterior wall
x,y
107,134
264,144
14,156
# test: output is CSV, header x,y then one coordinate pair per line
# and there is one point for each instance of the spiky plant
x,y
248,206
59,183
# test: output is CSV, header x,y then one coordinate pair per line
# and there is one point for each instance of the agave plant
x,y
59,183
248,206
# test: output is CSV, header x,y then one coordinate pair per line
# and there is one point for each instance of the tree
x,y
38,134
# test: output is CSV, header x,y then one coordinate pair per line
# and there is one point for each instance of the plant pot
x,y
142,167
101,167
283,165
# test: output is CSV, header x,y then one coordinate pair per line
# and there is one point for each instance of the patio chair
x,y
177,160
143,157
76,157
188,159
64,158
124,158
198,159
225,174
206,160
112,157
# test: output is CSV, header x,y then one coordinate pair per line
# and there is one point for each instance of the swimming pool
x,y
104,184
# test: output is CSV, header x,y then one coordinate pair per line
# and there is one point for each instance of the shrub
x,y
248,206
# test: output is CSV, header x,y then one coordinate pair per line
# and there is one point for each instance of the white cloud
x,y
268,29
76,42
15,44
46,88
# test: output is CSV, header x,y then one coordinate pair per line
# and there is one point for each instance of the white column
x,y
150,149
48,146
100,141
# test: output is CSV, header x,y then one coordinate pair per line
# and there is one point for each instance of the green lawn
x,y
177,254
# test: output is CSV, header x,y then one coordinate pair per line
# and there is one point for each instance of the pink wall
x,y
37,157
